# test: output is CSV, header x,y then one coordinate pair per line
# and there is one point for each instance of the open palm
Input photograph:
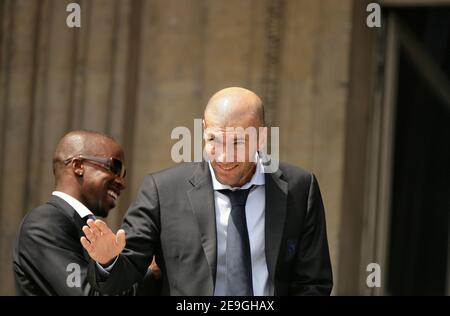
x,y
101,243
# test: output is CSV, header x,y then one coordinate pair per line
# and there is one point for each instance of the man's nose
x,y
121,182
226,154
221,155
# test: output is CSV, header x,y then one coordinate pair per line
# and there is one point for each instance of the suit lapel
x,y
275,216
70,211
79,223
201,197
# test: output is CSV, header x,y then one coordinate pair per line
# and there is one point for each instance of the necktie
x,y
238,257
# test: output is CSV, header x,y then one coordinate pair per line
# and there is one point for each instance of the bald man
x,y
89,174
224,226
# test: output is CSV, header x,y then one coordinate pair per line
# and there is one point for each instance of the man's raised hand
x,y
101,243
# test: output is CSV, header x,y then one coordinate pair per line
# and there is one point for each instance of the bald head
x,y
230,106
79,142
88,166
234,131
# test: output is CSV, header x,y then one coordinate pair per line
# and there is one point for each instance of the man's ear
x,y
262,138
77,167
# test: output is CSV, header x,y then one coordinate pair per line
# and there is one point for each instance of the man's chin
x,y
226,181
102,212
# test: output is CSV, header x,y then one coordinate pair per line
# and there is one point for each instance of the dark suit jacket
x,y
47,243
173,217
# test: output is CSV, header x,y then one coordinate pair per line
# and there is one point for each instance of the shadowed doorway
x,y
420,204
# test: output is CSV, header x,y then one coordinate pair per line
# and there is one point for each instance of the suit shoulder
x,y
44,213
177,173
44,218
295,173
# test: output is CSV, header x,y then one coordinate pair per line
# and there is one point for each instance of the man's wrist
x,y
107,267
107,264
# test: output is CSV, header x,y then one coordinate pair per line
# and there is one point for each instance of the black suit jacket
x,y
47,243
173,217
47,247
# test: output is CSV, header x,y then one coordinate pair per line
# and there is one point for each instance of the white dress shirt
x,y
254,212
79,207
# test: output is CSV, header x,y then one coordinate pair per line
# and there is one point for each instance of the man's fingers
x,y
120,239
89,235
86,244
101,225
94,228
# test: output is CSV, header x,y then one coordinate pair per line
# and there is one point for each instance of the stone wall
x,y
136,69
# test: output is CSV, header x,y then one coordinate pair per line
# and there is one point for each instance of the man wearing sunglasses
x,y
89,175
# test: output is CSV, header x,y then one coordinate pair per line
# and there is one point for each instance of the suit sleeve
x,y
141,224
50,258
312,271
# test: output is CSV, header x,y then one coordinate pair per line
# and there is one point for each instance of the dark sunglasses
x,y
113,165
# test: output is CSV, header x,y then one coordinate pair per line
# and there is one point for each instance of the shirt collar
x,y
79,207
257,178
